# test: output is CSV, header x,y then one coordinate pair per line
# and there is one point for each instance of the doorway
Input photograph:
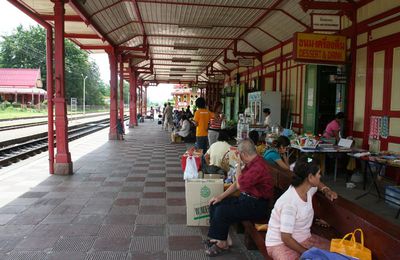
x,y
324,96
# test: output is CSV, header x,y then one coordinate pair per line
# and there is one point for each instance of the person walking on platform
x,y
256,186
163,116
168,118
201,119
215,123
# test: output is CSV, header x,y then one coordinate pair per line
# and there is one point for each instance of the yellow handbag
x,y
351,247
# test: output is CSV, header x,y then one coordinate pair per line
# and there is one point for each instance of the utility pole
x,y
84,92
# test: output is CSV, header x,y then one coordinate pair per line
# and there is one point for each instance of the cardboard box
x,y
198,194
176,138
213,176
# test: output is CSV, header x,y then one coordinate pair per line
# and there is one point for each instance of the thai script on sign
x,y
311,47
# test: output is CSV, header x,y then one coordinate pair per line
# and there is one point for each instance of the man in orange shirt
x,y
201,119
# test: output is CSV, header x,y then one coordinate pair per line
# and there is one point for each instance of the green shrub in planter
x,y
16,104
5,104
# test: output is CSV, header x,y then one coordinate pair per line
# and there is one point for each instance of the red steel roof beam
x,y
270,35
84,15
126,48
177,36
295,19
188,37
194,47
95,47
251,45
242,53
81,36
68,18
119,27
317,5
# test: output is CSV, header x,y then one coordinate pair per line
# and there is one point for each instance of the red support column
x,y
145,100
50,96
113,134
132,98
63,163
121,91
141,99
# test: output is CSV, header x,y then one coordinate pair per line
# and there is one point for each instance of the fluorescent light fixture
x,y
178,69
183,47
384,19
183,60
195,26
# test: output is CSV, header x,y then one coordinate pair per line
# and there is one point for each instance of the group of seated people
x,y
290,220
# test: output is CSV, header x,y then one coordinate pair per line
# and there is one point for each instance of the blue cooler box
x,y
392,196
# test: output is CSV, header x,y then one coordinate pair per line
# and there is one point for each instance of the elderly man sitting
x,y
255,184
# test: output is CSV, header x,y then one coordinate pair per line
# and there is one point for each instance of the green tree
x,y
27,49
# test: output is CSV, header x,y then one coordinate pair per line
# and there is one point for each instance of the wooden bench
x,y
343,216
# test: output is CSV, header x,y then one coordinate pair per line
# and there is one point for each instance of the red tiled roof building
x,y
21,85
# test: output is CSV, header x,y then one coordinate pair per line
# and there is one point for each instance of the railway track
x,y
13,127
32,145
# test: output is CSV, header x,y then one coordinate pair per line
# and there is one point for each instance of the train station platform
x,y
126,200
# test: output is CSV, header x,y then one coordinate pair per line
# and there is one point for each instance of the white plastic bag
x,y
223,124
191,171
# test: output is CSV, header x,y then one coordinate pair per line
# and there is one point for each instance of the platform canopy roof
x,y
171,40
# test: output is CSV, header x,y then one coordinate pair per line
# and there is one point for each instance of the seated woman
x,y
259,142
184,128
277,153
289,234
216,153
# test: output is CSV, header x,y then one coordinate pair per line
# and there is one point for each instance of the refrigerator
x,y
259,100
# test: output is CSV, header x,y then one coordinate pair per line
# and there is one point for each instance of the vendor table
x,y
330,150
374,175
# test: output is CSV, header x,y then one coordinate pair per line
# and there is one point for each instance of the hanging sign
x,y
325,22
245,62
319,48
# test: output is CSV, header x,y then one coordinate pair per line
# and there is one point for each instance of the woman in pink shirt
x,y
289,233
333,128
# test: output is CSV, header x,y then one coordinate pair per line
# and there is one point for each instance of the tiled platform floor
x,y
126,200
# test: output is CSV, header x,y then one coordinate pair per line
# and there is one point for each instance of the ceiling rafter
x,y
139,17
85,17
262,17
251,45
107,7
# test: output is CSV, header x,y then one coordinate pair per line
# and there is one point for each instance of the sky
x,y
15,17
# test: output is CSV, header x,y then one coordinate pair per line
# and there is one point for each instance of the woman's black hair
x,y
223,136
253,135
201,102
267,110
281,141
305,166
339,115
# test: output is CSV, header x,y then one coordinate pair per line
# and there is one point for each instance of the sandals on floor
x,y
208,243
215,250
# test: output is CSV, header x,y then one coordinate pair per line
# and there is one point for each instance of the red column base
x,y
63,168
113,136
132,125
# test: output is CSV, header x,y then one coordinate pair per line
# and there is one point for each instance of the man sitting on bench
x,y
289,234
256,186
